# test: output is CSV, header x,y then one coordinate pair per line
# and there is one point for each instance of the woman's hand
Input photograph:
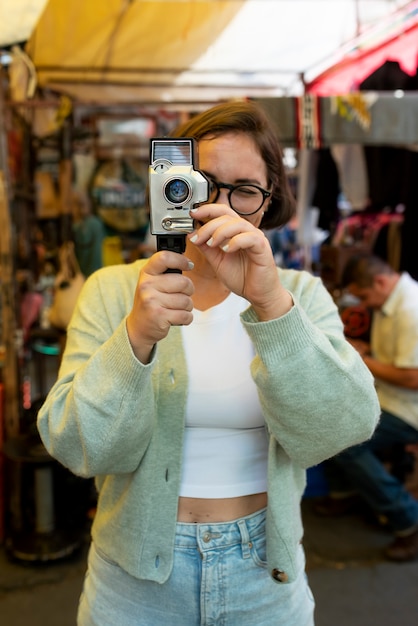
x,y
241,257
161,300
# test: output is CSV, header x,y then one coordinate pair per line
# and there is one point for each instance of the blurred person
x,y
392,358
199,399
88,233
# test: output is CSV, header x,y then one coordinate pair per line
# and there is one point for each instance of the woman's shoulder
x,y
304,286
113,283
111,289
298,279
121,273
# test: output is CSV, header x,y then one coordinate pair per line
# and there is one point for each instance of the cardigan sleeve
x,y
317,395
98,416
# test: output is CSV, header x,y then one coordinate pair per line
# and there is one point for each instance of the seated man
x,y
392,357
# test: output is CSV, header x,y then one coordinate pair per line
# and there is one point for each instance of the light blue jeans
x,y
361,468
219,579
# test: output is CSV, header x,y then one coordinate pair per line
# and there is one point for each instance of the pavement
x,y
352,583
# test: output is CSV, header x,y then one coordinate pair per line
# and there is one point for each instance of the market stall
x,y
69,68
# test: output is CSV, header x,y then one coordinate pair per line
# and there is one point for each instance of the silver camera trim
x,y
167,216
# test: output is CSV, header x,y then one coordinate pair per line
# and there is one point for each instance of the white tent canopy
x,y
18,19
186,50
280,45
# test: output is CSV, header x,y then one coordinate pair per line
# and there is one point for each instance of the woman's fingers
x,y
165,260
230,234
161,300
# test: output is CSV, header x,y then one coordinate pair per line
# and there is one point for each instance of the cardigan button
x,y
279,575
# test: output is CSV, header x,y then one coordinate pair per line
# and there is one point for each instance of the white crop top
x,y
225,446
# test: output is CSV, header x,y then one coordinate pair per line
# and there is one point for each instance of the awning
x,y
392,40
192,50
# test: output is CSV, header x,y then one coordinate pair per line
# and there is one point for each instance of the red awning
x,y
346,75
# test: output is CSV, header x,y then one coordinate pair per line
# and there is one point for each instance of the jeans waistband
x,y
221,534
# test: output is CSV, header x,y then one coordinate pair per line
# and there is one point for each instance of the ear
x,y
382,283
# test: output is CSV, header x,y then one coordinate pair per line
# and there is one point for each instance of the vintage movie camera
x,y
175,186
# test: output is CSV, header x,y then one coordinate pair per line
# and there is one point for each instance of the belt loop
x,y
246,544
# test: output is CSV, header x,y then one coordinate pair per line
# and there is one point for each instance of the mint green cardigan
x,y
111,417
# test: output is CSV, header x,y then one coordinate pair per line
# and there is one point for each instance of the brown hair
x,y
362,269
251,119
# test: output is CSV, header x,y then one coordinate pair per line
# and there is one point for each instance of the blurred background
x,y
83,88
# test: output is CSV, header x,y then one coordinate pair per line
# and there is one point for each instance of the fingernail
x,y
191,265
225,248
194,209
193,239
209,242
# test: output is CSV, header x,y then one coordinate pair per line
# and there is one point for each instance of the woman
x,y
198,399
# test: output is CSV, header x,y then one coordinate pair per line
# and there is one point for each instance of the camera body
x,y
175,186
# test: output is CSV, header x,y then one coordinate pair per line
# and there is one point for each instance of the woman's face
x,y
233,158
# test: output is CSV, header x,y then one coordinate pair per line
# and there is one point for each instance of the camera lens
x,y
177,191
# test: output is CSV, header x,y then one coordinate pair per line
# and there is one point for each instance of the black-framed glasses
x,y
244,199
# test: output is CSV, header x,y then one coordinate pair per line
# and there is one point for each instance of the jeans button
x,y
206,537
